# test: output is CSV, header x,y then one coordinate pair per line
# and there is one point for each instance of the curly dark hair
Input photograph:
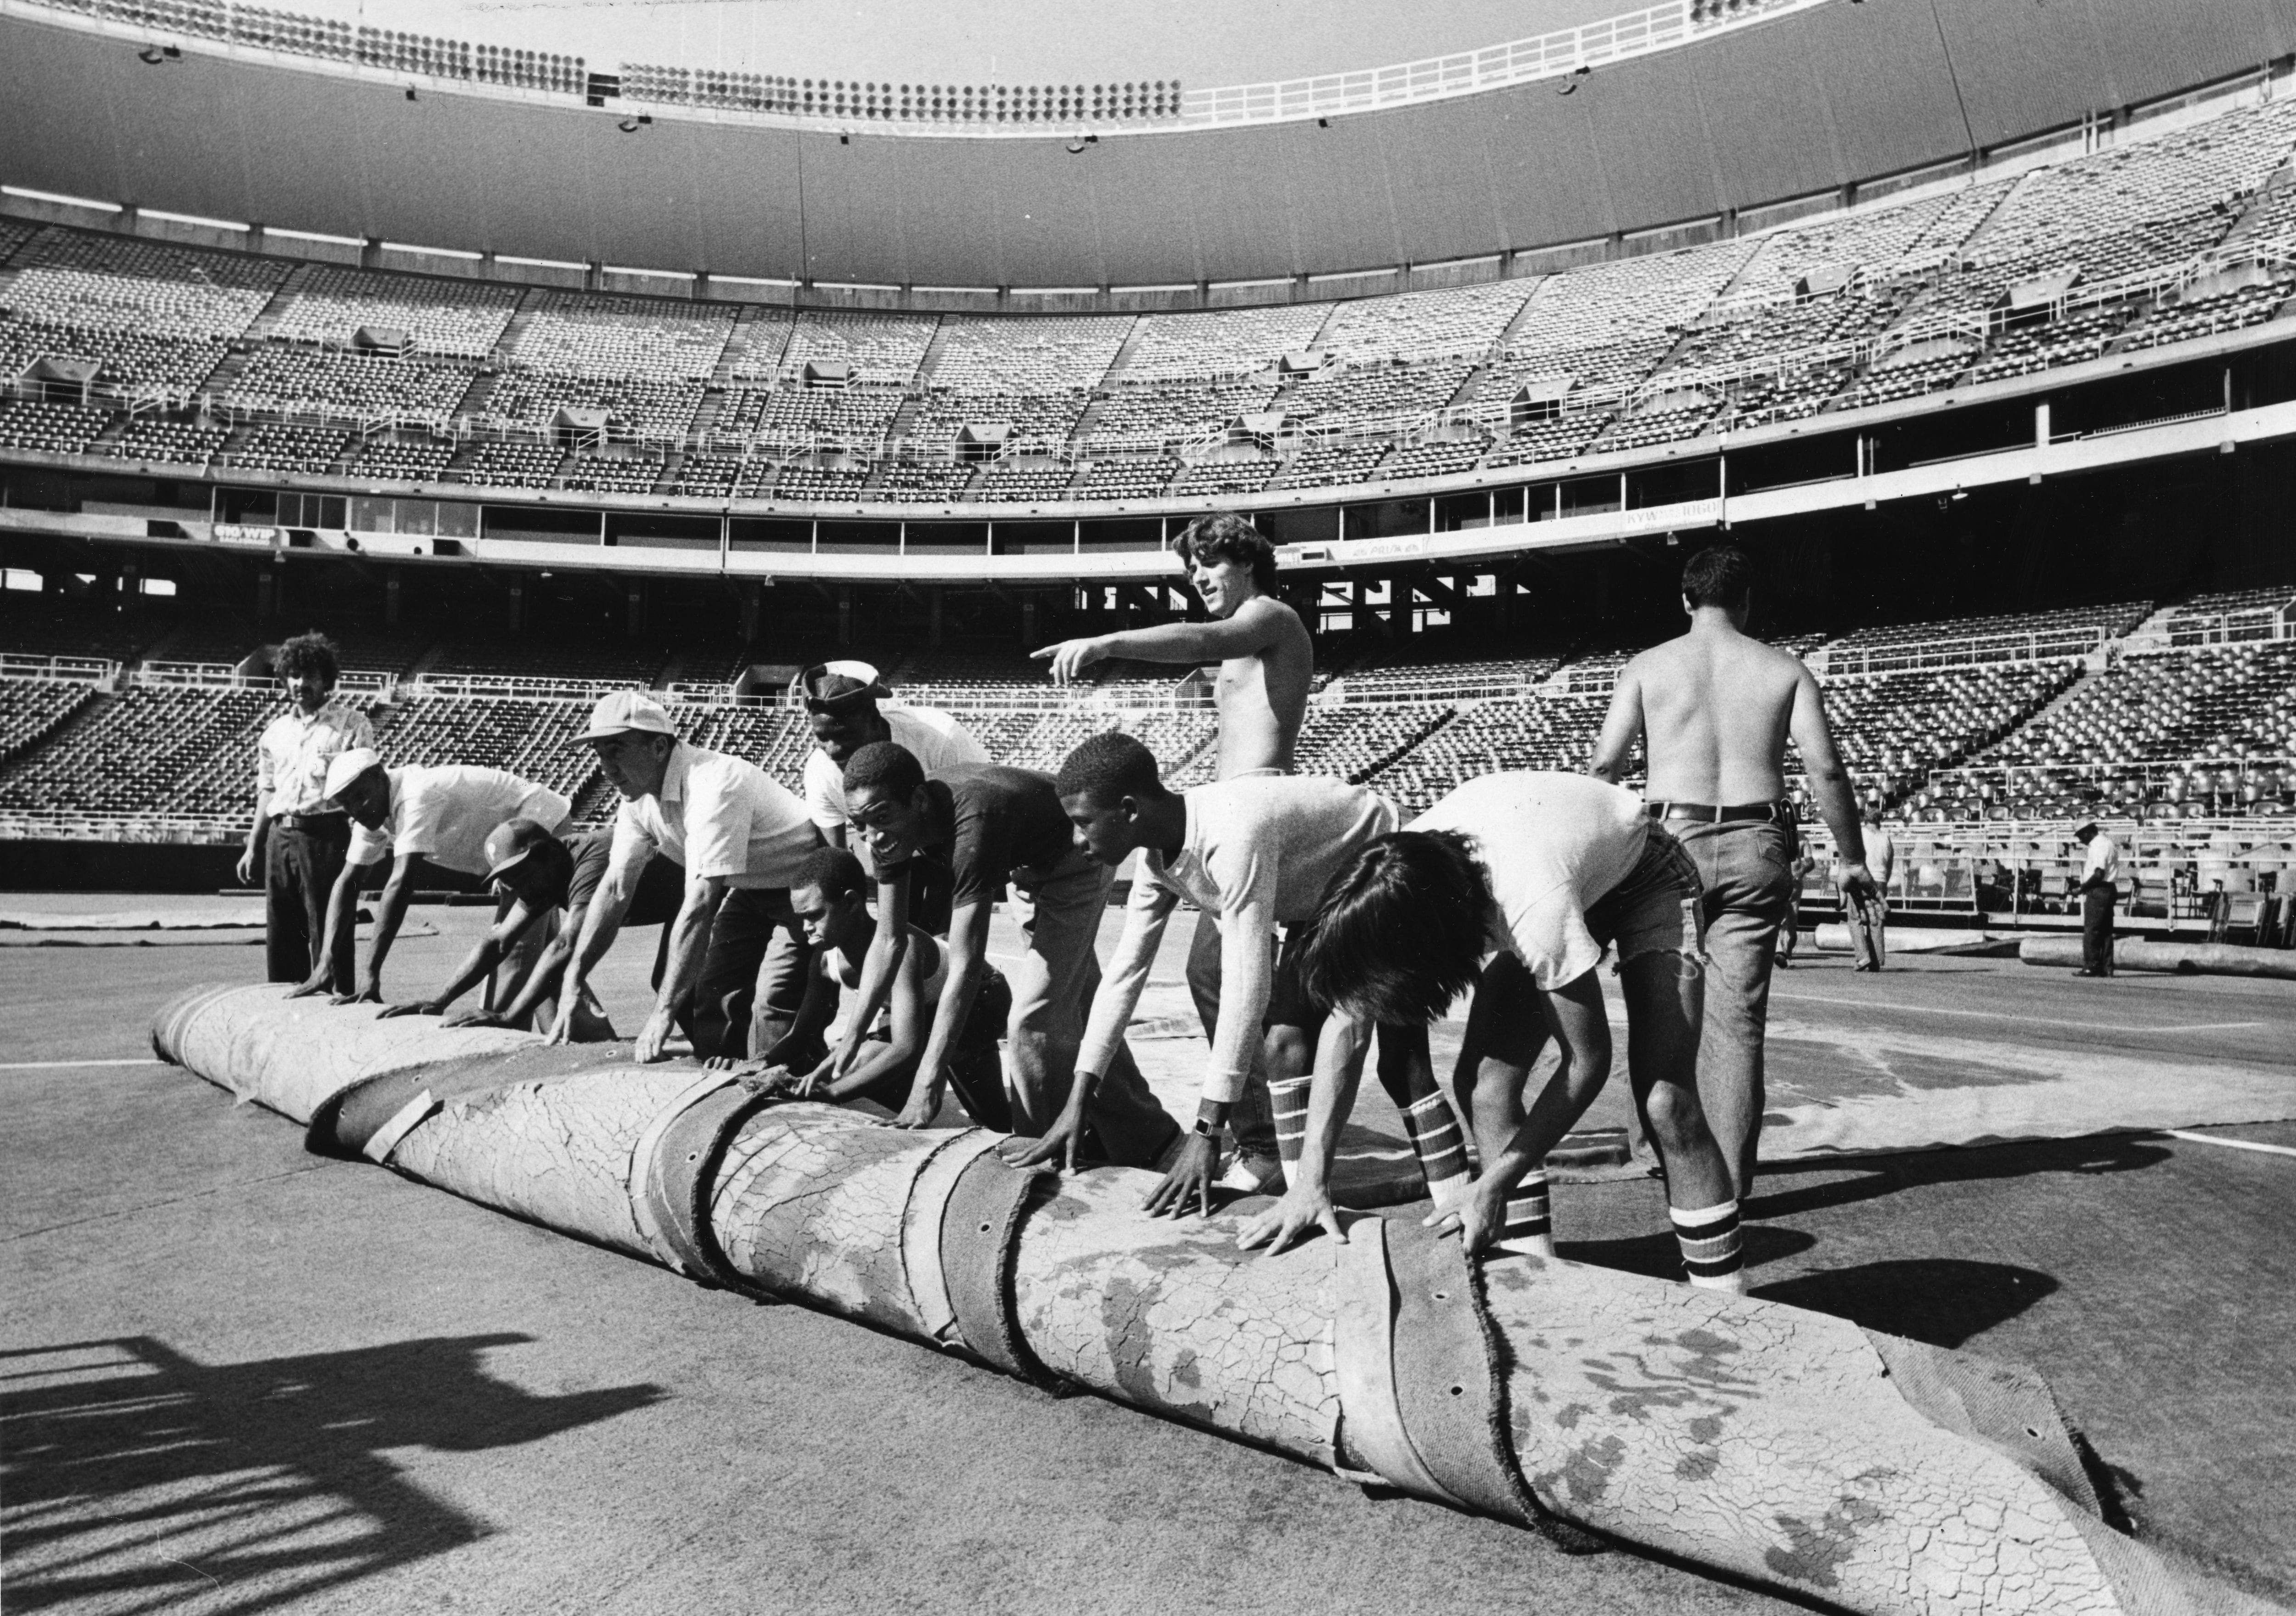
x,y
1228,536
1399,932
312,652
885,765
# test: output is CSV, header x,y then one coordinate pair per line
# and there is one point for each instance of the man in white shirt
x,y
442,814
841,702
743,839
1543,873
1869,917
2100,886
298,837
1251,853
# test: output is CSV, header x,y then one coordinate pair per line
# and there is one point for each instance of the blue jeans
x,y
1746,868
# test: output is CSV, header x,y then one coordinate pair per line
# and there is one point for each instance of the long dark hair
x,y
1399,933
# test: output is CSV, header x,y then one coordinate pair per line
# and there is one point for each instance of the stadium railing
x,y
33,825
78,670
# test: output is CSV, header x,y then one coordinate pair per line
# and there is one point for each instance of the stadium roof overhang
x,y
1668,147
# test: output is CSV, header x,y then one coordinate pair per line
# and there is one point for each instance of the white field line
x,y
52,1066
2002,1015
2230,1145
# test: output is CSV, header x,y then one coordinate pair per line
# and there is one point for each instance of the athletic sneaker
x,y
1254,1175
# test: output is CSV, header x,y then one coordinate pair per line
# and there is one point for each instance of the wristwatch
x,y
1206,1127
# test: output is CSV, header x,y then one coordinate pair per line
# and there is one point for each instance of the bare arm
x,y
478,963
388,913
1146,916
886,949
814,1013
912,1027
968,966
602,922
1829,782
1255,626
689,942
1622,726
250,858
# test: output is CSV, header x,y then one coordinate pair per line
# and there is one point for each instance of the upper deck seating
x,y
614,473
331,304
725,476
634,405
1878,244
1892,728
1541,732
57,626
126,359
1372,394
857,416
1157,413
94,282
1044,420
1323,465
532,739
1999,638
2225,701
2232,614
618,338
1218,343
1218,477
336,381
1043,356
878,347
1433,459
921,481
1462,322
1127,479
825,486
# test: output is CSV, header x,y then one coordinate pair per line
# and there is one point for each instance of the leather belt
x,y
1706,812
314,822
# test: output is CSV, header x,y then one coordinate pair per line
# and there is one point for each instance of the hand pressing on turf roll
x,y
416,1007
1478,1218
366,993
1304,1209
1189,1180
320,981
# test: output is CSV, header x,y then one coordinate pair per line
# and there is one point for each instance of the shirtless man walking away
x,y
1266,662
1713,710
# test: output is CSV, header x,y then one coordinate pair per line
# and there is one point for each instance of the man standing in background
x,y
2100,886
1869,923
1714,709
299,838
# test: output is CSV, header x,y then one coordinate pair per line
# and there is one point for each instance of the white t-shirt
x,y
937,740
446,813
2103,858
718,815
291,758
1258,853
1552,844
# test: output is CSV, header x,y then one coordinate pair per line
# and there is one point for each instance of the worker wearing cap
x,y
442,814
841,700
298,837
2100,889
743,839
542,886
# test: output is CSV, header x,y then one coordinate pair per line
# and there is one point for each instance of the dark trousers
x,y
300,863
2097,930
753,978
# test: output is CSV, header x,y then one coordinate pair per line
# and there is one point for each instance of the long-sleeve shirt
x,y
291,758
1258,852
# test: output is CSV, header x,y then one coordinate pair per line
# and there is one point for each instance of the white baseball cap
x,y
620,711
349,765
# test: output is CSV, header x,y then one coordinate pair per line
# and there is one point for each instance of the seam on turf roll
x,y
980,1246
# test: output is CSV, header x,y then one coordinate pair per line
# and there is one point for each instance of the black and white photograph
x,y
1387,807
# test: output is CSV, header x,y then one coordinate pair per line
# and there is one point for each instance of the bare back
x,y
1715,707
1263,696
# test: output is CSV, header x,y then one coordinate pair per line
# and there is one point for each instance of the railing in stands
x,y
2226,627
510,687
1436,690
1049,698
2062,645
76,670
63,825
225,675
2149,773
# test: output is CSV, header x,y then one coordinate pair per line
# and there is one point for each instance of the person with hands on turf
x,y
831,900
1252,853
1545,874
441,815
740,838
997,827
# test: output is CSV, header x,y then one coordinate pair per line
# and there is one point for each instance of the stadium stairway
x,y
1370,773
266,322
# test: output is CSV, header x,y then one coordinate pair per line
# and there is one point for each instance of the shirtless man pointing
x,y
1267,663
1714,709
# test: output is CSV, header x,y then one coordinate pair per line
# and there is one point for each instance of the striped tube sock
x,y
1529,1230
1435,1136
1287,1097
1708,1238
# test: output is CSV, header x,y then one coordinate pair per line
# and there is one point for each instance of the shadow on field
x,y
1879,1176
137,1476
1943,1300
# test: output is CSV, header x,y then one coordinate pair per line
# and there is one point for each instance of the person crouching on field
x,y
830,899
1540,872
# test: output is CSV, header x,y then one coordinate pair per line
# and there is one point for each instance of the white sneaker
x,y
1254,1175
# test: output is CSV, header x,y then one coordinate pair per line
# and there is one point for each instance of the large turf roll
x,y
1776,1445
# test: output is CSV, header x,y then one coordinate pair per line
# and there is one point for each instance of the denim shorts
x,y
1655,909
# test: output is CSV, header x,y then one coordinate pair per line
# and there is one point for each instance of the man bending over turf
x,y
829,898
1252,853
442,815
1544,871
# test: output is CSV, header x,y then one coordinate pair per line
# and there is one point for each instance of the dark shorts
x,y
661,885
1287,1001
